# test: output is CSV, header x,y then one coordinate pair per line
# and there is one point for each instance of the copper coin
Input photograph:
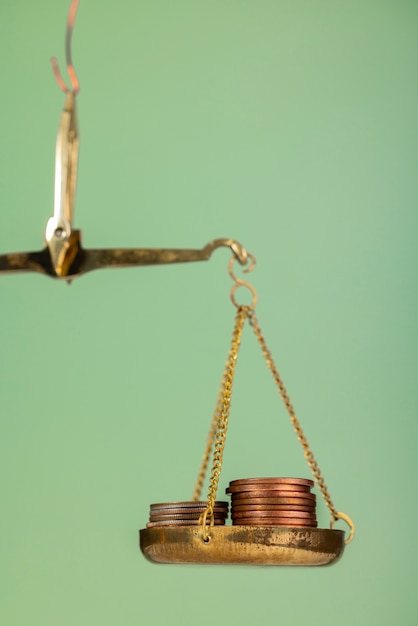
x,y
268,487
283,521
289,481
274,523
289,522
273,507
238,499
182,523
274,514
273,494
187,505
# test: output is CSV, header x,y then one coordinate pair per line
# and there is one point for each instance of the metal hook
x,y
242,283
70,67
347,519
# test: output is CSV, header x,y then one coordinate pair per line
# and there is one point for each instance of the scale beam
x,y
77,261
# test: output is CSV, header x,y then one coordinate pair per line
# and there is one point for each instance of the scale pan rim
x,y
243,545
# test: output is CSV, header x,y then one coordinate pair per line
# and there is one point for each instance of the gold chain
x,y
293,419
220,423
197,492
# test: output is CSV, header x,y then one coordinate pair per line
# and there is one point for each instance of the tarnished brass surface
x,y
77,261
249,545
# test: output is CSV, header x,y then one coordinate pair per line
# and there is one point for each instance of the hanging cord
x,y
220,419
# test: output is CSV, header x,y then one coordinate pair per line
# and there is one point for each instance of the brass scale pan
x,y
242,545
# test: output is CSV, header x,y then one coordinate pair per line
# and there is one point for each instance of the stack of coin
x,y
185,513
273,502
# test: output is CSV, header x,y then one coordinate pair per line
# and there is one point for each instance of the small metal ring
x,y
246,270
242,283
202,521
253,293
348,521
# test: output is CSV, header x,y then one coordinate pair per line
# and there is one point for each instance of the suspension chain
x,y
219,425
197,493
221,417
313,465
200,481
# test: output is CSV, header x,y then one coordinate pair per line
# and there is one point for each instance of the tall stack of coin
x,y
185,513
273,502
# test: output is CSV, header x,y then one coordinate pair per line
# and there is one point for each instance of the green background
x,y
290,126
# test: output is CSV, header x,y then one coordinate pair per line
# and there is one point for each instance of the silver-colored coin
x,y
192,504
183,516
182,523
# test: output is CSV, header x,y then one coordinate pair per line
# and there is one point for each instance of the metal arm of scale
x,y
63,256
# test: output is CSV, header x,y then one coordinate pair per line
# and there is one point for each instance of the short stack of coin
x,y
185,513
273,502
